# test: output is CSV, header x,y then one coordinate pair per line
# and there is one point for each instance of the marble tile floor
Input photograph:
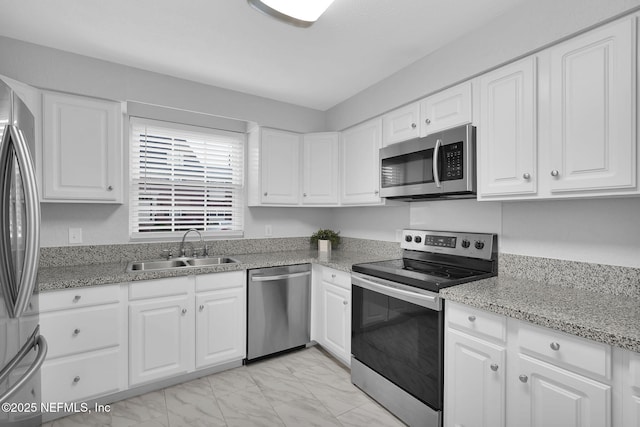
x,y
303,388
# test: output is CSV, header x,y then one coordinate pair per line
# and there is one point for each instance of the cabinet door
x,y
543,395
280,167
631,388
320,168
160,338
446,109
82,148
593,110
361,164
474,381
336,330
220,326
507,138
401,124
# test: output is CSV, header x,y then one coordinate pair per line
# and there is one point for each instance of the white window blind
x,y
185,177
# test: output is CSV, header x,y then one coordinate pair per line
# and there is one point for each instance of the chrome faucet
x,y
204,246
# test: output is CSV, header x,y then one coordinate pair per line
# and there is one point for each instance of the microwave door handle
x,y
436,171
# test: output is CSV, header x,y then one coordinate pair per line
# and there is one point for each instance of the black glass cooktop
x,y
425,275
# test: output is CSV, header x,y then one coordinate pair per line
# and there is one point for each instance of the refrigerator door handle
x,y
35,340
13,138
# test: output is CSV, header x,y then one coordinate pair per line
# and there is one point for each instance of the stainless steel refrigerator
x,y
22,348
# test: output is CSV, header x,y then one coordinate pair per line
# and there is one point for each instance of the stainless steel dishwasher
x,y
279,300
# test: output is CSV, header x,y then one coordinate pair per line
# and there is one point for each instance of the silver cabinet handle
x,y
523,378
427,121
76,331
304,194
110,188
526,176
555,172
76,379
333,276
472,318
376,192
413,125
265,193
76,298
494,367
555,346
201,307
184,311
345,302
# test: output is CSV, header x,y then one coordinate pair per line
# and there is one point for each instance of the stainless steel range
x,y
397,328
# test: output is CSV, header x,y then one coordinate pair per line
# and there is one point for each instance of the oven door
x,y
397,331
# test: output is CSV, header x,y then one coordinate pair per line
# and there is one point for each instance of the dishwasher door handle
x,y
263,278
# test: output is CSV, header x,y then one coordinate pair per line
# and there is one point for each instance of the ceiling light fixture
x,y
301,13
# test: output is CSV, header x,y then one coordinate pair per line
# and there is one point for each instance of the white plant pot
x,y
324,246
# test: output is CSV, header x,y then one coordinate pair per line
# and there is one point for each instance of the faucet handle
x,y
205,250
167,253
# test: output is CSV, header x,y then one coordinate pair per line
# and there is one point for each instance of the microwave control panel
x,y
453,163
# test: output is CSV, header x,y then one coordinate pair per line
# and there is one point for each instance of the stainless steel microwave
x,y
442,164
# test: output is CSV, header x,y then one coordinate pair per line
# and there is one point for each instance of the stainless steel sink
x,y
178,263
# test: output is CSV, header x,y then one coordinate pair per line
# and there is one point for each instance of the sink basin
x,y
178,263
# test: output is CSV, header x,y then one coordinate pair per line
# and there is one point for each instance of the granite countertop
x,y
606,318
75,276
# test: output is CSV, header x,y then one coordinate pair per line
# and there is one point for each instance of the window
x,y
185,177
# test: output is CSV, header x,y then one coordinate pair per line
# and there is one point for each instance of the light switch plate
x,y
268,231
75,235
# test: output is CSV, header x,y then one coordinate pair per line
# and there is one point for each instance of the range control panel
x,y
475,245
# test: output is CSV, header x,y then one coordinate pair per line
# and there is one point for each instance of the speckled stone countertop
x,y
74,276
599,316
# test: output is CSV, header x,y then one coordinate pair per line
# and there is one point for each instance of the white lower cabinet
x,y
86,332
628,376
220,318
535,377
180,324
160,338
331,318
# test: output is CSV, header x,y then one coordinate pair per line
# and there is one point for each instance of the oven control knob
x,y
417,239
479,244
408,238
466,243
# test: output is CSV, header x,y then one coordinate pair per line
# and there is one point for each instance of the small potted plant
x,y
326,239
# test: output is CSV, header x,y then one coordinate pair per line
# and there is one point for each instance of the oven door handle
x,y
427,301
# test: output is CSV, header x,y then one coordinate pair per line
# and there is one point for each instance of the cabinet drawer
x,y
336,277
76,331
79,297
80,377
565,350
218,281
476,321
169,286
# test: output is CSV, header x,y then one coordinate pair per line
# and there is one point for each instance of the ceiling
x,y
227,43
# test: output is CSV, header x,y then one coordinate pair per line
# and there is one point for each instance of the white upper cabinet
x,y
507,130
81,149
279,167
568,132
446,109
401,124
320,170
361,163
592,110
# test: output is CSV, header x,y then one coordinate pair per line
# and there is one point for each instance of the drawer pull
x,y
333,276
201,307
76,298
523,378
345,302
184,311
555,346
494,367
472,318
76,331
76,380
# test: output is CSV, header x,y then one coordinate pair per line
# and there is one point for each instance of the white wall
x,y
457,215
371,222
531,26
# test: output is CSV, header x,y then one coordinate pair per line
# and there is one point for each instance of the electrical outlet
x,y
268,231
75,235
